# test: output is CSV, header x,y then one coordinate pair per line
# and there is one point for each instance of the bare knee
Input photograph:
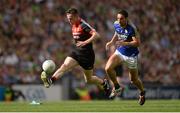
x,y
108,69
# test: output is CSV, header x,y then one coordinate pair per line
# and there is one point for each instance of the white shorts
x,y
130,62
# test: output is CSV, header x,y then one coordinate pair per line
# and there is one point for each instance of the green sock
x,y
117,86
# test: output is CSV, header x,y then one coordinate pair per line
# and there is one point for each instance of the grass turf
x,y
93,106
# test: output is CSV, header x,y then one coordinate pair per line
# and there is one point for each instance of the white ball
x,y
48,66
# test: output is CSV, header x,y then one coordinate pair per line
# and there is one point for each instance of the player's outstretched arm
x,y
113,40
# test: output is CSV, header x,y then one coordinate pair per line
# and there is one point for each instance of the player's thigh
x,y
133,74
113,61
69,63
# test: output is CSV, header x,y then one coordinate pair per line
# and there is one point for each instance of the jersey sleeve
x,y
133,32
135,28
87,28
116,25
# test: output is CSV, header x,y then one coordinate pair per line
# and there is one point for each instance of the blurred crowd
x,y
34,30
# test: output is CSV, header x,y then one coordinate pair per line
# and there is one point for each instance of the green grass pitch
x,y
93,106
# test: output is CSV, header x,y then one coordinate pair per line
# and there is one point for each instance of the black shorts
x,y
85,58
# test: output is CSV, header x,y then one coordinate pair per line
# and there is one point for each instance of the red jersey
x,y
82,31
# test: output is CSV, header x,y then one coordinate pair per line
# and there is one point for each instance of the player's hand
x,y
81,43
108,45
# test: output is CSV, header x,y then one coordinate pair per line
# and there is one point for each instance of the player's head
x,y
122,17
72,15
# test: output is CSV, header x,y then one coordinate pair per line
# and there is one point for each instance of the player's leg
x,y
133,74
119,74
66,66
92,79
113,61
132,64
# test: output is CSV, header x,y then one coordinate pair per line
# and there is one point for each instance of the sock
x,y
142,93
103,83
53,79
117,86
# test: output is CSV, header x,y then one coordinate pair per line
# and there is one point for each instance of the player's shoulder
x,y
131,27
116,25
116,22
84,24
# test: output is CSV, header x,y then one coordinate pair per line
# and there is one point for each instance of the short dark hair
x,y
123,12
72,11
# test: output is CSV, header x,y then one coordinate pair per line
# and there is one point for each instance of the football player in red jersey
x,y
83,53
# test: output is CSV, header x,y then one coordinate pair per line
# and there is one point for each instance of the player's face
x,y
122,20
71,18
